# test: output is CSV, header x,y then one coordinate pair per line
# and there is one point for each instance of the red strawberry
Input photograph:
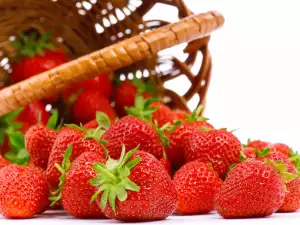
x,y
32,114
143,191
127,91
163,114
196,185
88,103
179,115
252,189
167,165
218,147
77,184
3,162
37,56
258,144
101,83
175,151
279,147
24,192
249,152
68,136
291,201
131,132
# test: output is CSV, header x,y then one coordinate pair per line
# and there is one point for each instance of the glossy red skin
x,y
102,83
279,147
175,152
276,156
167,165
77,191
91,125
218,147
88,103
291,201
252,189
163,114
31,114
249,152
39,141
132,132
23,193
196,185
3,162
157,198
29,67
66,137
258,144
179,115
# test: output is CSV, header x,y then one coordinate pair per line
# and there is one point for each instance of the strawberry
x,y
134,188
258,144
163,114
24,192
36,55
3,162
181,130
81,141
249,152
167,165
291,201
77,184
196,185
88,103
33,114
279,147
102,83
218,147
39,141
179,115
132,131
252,189
127,92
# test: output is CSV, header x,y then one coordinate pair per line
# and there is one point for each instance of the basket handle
x,y
108,59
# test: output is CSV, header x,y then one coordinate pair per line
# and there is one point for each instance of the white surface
x,y
256,72
60,218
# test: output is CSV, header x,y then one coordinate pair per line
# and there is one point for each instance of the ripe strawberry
x,y
252,189
39,141
69,136
249,152
127,91
143,191
167,165
24,192
33,114
131,132
88,103
175,151
102,83
279,147
218,147
162,115
196,185
77,184
36,55
291,201
258,144
179,115
3,162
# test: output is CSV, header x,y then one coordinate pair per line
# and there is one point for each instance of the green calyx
x,y
142,108
295,159
161,133
196,115
34,44
112,179
282,170
53,121
9,124
143,86
63,169
262,153
18,154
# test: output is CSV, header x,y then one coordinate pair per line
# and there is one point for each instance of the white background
x,y
256,58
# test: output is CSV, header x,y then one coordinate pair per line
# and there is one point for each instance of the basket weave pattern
x,y
81,33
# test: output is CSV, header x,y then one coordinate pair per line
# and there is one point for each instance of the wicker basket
x,y
128,44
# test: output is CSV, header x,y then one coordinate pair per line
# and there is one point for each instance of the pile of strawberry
x,y
144,166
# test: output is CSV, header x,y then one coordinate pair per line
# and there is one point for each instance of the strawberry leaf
x,y
103,120
9,124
